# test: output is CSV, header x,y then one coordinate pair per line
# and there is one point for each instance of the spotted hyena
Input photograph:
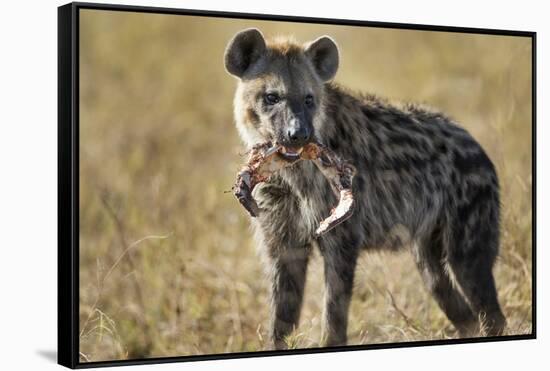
x,y
422,183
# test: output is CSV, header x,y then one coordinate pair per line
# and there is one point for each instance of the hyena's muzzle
x,y
295,127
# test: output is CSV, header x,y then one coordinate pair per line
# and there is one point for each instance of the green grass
x,y
167,261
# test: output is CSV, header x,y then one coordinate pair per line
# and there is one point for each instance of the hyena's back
x,y
417,172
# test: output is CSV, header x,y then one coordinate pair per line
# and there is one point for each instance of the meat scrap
x,y
266,159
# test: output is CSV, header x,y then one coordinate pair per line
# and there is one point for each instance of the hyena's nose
x,y
298,136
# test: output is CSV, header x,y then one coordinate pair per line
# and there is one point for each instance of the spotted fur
x,y
423,184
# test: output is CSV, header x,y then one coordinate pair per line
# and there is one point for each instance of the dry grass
x,y
167,263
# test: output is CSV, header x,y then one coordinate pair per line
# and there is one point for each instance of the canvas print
x,y
259,185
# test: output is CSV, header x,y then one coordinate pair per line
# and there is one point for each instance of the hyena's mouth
x,y
266,159
290,154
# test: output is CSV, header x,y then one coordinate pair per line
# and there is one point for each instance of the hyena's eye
x,y
309,100
272,98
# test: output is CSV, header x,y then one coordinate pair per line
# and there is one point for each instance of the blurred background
x,y
168,265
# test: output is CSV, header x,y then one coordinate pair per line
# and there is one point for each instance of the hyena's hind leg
x,y
471,254
429,260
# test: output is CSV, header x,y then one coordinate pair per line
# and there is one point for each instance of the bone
x,y
265,160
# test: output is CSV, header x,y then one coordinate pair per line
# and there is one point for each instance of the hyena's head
x,y
280,92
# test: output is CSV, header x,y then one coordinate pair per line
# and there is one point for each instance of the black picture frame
x,y
68,181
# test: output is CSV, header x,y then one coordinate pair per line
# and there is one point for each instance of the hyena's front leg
x,y
286,246
340,260
288,276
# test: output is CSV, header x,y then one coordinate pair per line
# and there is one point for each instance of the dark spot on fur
x,y
481,195
454,177
405,164
429,204
435,172
472,162
459,193
334,144
359,183
373,155
401,139
372,114
252,117
446,133
342,133
425,145
442,148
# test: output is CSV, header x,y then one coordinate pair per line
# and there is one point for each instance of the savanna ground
x,y
167,263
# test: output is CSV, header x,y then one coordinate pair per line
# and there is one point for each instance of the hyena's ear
x,y
324,55
245,49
